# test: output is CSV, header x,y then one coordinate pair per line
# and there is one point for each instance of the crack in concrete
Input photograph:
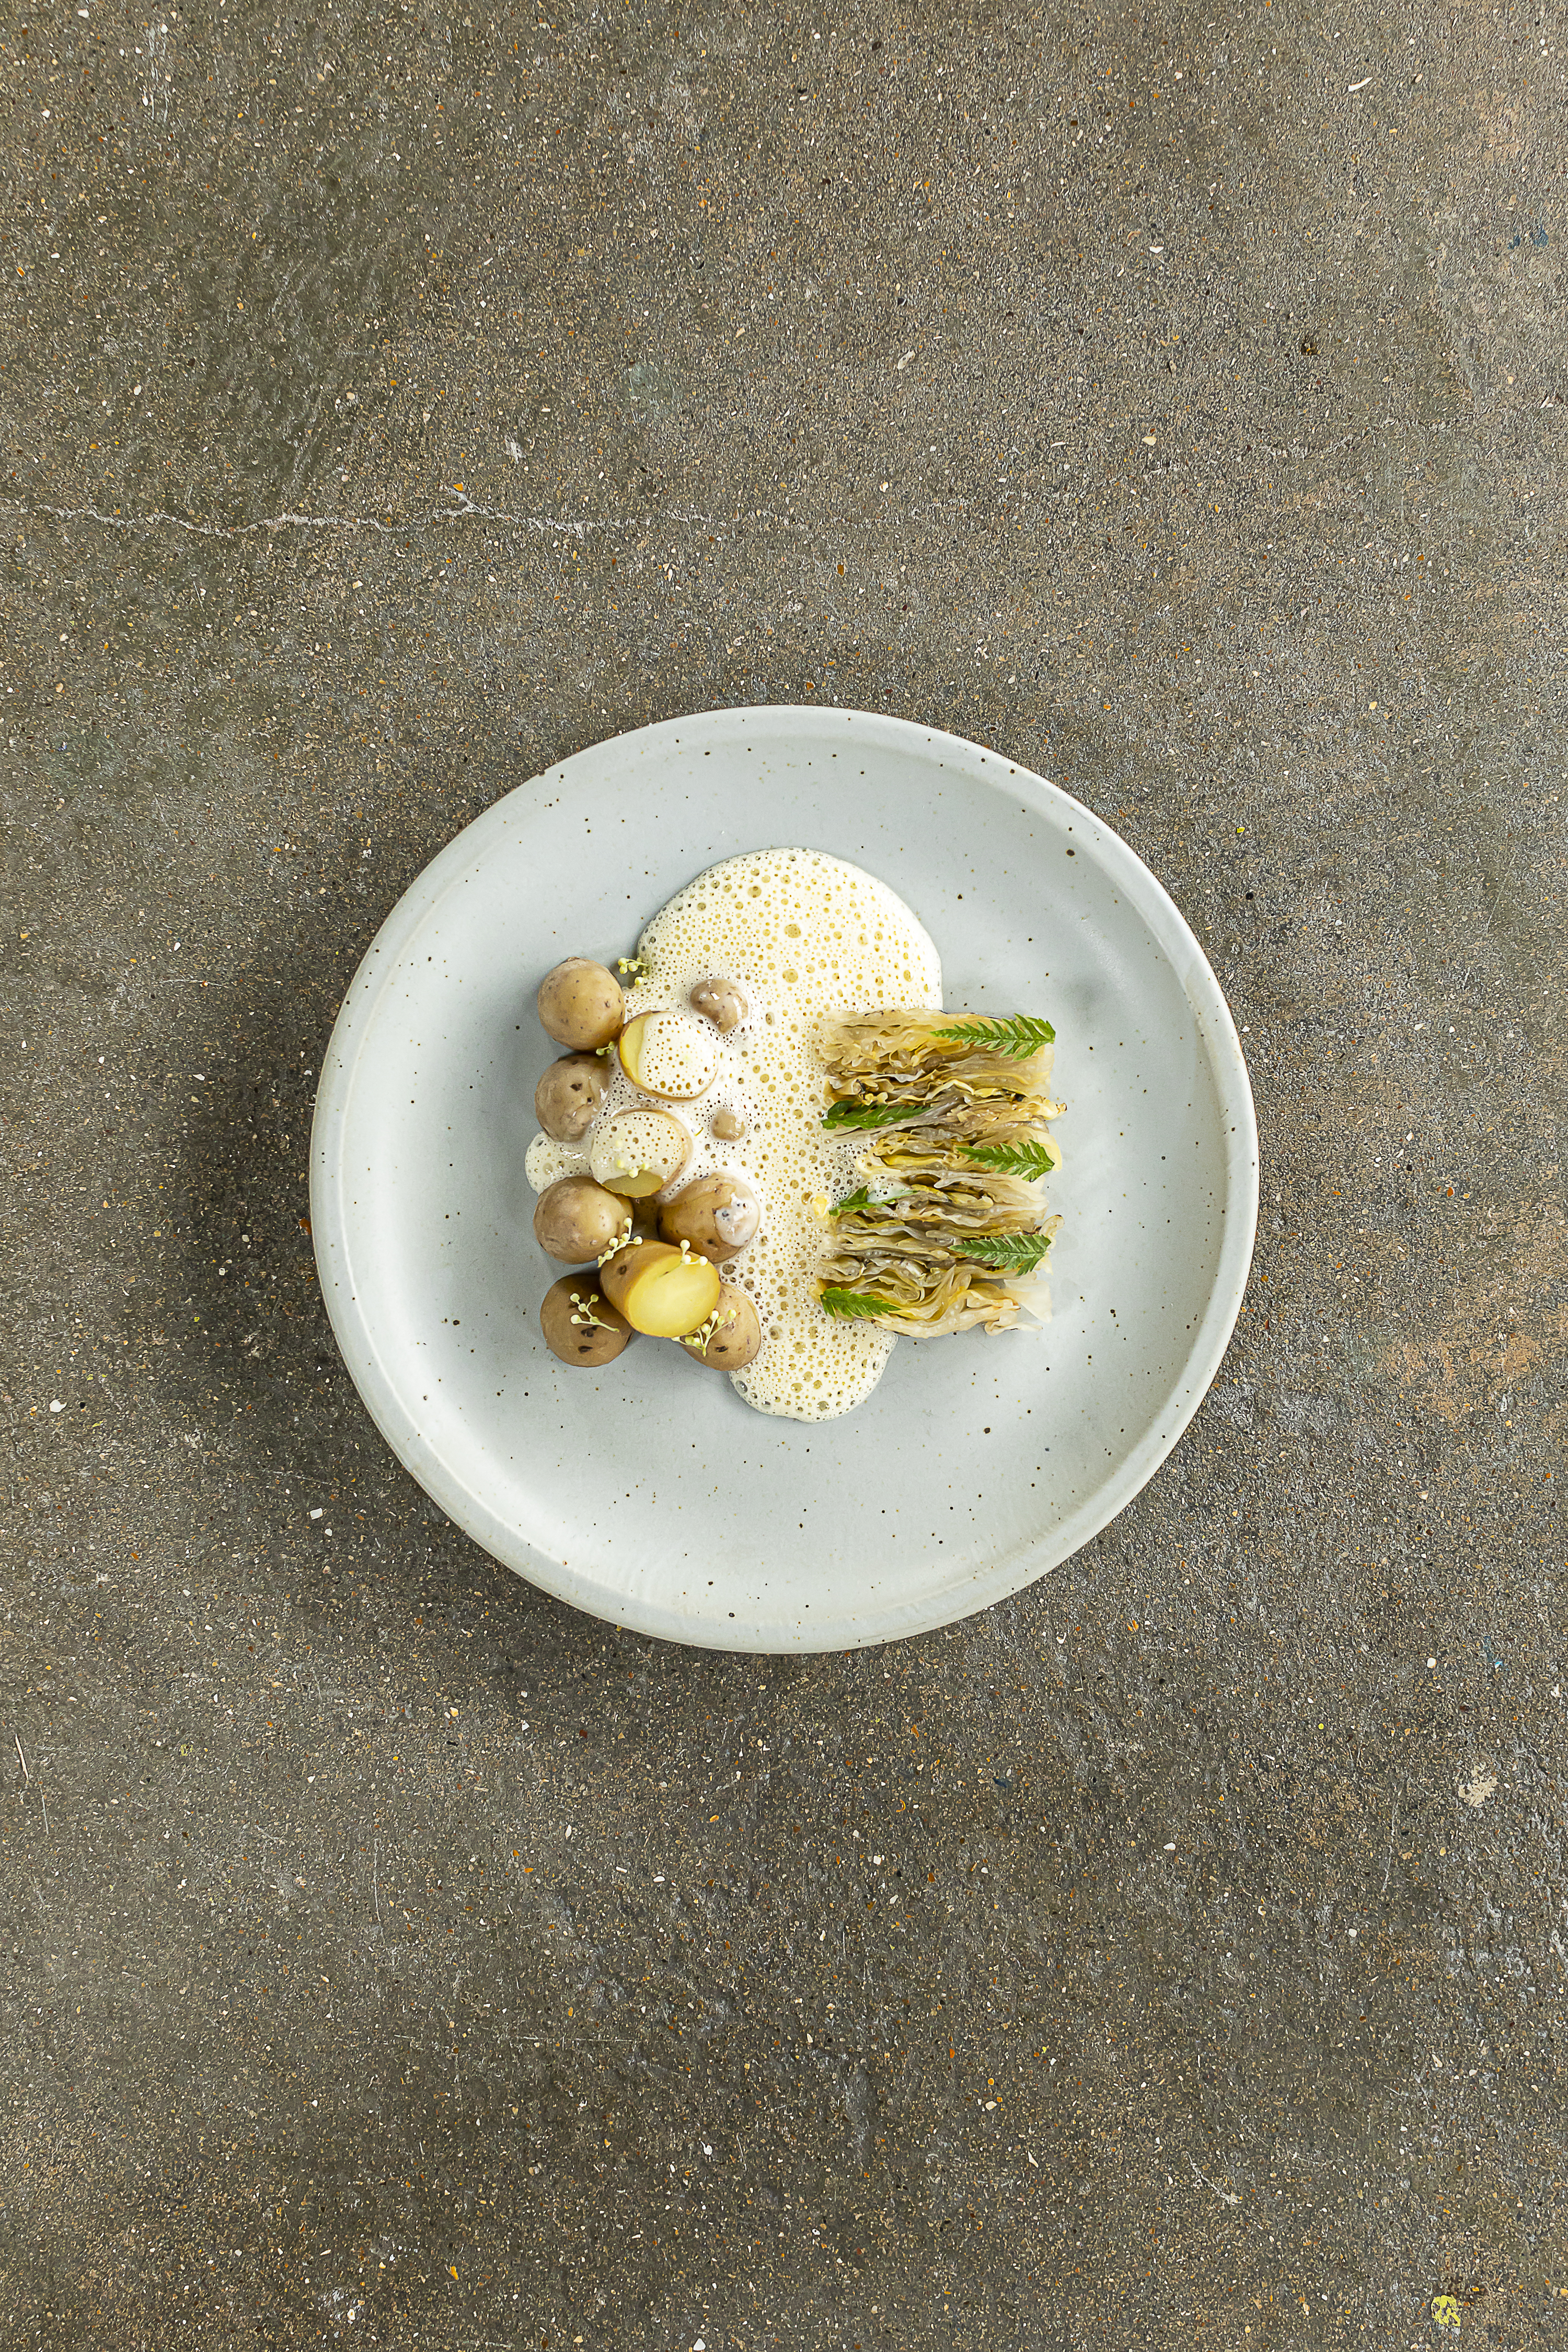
x,y
204,529
466,511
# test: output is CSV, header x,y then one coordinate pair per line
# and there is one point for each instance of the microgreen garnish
x,y
1019,1036
859,1114
855,1303
861,1200
1027,1158
1007,1253
704,1331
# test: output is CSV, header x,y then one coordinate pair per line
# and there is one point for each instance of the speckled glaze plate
x,y
647,1492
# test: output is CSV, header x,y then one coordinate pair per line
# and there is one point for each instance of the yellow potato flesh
x,y
638,1187
639,1152
667,1055
660,1292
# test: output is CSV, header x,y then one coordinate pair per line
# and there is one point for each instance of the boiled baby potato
x,y
660,1290
567,1099
717,1215
579,1323
721,1002
731,1335
727,1124
668,1054
638,1152
580,1005
577,1218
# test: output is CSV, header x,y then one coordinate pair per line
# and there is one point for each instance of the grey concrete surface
x,y
395,399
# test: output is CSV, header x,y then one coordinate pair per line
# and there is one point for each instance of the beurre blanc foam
x,y
548,1162
801,934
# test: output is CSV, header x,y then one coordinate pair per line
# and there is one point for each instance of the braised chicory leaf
x,y
947,1228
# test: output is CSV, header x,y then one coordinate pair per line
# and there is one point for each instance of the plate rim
x,y
1003,1575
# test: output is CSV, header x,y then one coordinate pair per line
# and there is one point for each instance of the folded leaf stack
x,y
946,1227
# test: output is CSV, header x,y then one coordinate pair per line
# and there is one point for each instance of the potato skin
x,y
579,1324
721,1002
580,1005
727,1124
567,1099
615,1275
717,1215
577,1218
736,1336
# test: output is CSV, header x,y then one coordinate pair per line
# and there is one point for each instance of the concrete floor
x,y
397,399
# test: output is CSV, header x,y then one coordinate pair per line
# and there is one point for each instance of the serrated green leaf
x,y
1019,1036
858,1114
855,1303
1005,1252
1027,1158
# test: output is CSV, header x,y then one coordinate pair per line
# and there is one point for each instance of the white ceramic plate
x,y
647,1492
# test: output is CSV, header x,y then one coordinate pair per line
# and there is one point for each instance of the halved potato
x,y
635,1152
669,1055
659,1290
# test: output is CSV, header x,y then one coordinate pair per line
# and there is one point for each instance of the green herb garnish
x,y
855,1303
1027,1159
1017,1037
865,1200
859,1114
1006,1253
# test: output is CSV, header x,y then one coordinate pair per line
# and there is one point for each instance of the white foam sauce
x,y
632,1142
801,934
548,1162
679,1056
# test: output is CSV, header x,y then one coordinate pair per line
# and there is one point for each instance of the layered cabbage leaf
x,y
946,1226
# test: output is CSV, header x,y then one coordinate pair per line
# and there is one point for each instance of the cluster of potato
x,y
651,1268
